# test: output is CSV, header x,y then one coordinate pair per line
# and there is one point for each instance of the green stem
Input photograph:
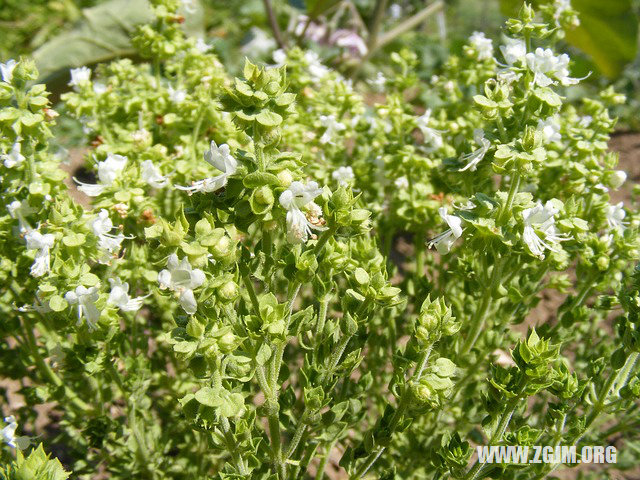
x,y
323,461
232,446
513,189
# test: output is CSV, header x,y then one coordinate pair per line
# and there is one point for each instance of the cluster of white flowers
x,y
296,198
514,51
317,71
401,182
475,157
446,239
14,157
79,76
379,82
42,244
539,221
482,45
108,171
219,157
431,136
343,175
181,278
333,128
108,243
6,70
546,66
86,299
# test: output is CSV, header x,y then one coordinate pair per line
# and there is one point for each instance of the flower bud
x,y
227,342
285,178
617,179
228,291
222,248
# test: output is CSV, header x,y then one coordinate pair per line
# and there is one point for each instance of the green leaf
x,y
89,279
548,96
57,303
258,179
74,239
209,397
263,355
232,404
267,118
362,277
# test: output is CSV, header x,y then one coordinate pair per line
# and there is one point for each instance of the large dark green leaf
x,y
608,31
103,33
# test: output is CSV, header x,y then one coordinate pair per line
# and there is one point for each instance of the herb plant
x,y
250,290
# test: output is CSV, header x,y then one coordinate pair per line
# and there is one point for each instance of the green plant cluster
x,y
273,269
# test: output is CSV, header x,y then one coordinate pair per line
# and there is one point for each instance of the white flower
x,y
181,278
332,126
379,82
86,299
431,136
445,240
350,40
6,70
299,224
202,46
108,171
475,157
79,76
260,44
560,7
189,6
219,157
41,243
151,175
176,96
550,129
108,243
14,157
99,88
514,50
119,296
279,57
482,45
546,66
343,175
395,11
585,121
19,210
540,221
316,69
615,216
617,179
401,183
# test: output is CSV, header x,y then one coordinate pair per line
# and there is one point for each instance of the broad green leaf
x,y
209,397
103,33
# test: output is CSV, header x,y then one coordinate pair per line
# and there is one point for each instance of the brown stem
x,y
273,23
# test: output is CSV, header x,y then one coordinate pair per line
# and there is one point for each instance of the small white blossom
x,y
79,76
446,239
343,175
279,57
431,136
8,434
560,6
615,216
350,40
475,157
617,179
514,50
202,46
482,45
401,183
99,88
546,66
221,158
181,278
41,243
14,157
20,210
333,127
6,70
176,96
550,129
585,121
299,224
86,299
108,243
539,222
316,69
260,44
108,171
119,296
151,175
395,11
379,82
